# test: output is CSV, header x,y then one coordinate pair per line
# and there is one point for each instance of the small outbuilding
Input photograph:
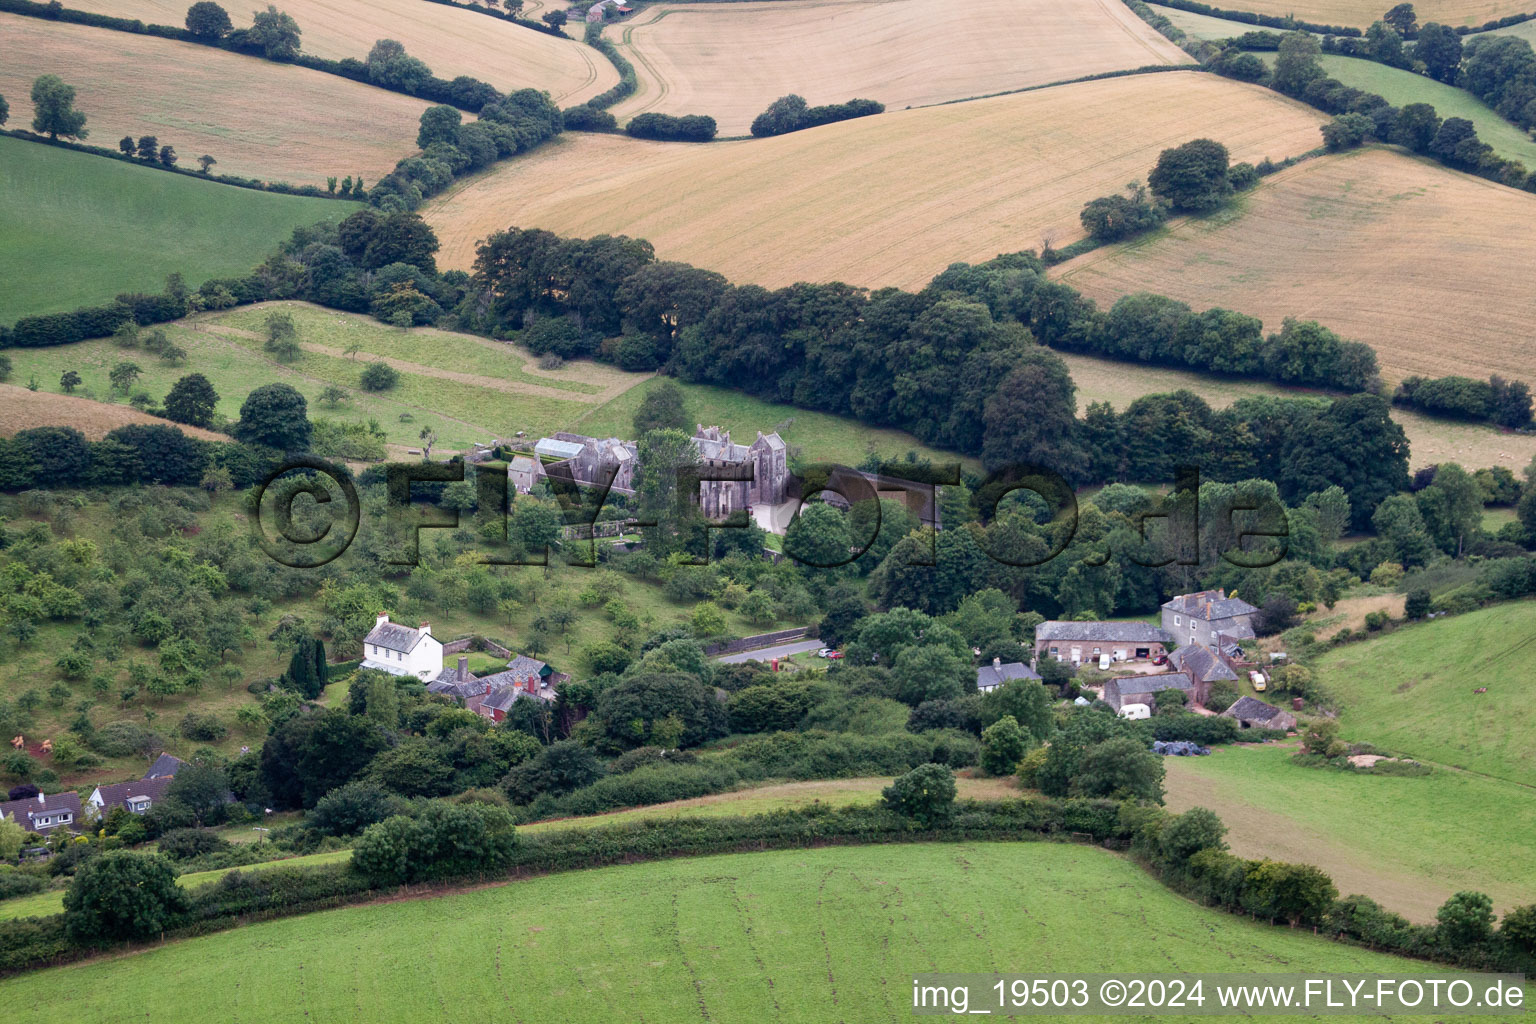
x,y
1252,713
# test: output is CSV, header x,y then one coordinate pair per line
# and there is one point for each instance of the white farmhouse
x,y
403,651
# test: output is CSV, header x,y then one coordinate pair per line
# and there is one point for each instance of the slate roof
x,y
522,666
1210,605
165,767
394,637
456,680
21,811
1251,709
1111,632
117,794
989,676
1201,662
1116,690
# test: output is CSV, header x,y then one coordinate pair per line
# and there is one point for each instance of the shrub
x,y
926,794
349,809
121,895
586,118
1192,176
203,727
1003,745
443,841
688,128
378,376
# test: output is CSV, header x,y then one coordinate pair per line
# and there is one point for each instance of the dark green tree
x,y
275,415
68,381
1003,746
53,109
306,673
1440,49
1465,920
122,895
192,400
439,124
663,408
149,147
1192,176
1403,20
1296,63
926,794
378,376
207,20
276,33
203,789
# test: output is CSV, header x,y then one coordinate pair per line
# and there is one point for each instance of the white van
x,y
1135,712
1104,663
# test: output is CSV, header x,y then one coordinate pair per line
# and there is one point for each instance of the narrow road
x,y
769,653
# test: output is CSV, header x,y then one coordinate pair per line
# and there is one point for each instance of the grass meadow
x,y
1406,842
799,935
1413,691
118,228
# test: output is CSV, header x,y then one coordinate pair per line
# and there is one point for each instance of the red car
x,y
834,655
1160,659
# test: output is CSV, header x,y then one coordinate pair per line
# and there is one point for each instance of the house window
x,y
1178,621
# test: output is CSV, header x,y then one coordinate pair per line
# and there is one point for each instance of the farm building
x,y
990,677
1087,641
1202,617
1144,689
43,813
1202,664
1252,713
401,650
134,797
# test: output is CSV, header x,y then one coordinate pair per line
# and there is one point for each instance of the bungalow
x,y
1252,713
993,676
1144,689
1088,641
1198,618
43,813
133,797
165,767
401,650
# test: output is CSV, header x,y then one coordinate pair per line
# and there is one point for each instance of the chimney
x,y
533,686
463,666
426,627
487,689
997,662
383,617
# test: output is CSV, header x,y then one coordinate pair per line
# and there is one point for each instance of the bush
x,y
688,128
205,728
926,794
443,841
1111,218
586,118
349,809
1192,176
1003,745
790,114
378,376
121,895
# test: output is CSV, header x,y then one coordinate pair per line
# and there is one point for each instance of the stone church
x,y
766,459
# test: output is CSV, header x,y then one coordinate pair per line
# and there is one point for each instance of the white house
x,y
403,651
43,813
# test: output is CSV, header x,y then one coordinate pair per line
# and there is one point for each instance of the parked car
x,y
1160,659
834,655
823,652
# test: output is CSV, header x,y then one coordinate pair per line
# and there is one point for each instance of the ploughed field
x,y
1429,266
730,60
798,935
451,42
886,200
257,118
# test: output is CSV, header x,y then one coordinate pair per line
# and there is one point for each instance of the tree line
x,y
791,114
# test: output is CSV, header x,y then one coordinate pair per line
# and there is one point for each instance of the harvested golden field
x,y
730,60
1361,13
258,119
1433,440
1431,267
877,200
451,42
21,409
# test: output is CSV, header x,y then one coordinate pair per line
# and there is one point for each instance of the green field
x,y
77,229
799,935
766,799
1413,691
1406,842
1401,87
52,902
